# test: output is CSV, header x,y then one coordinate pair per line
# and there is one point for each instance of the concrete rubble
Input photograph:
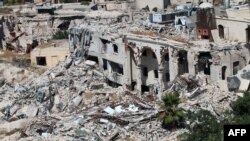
x,y
72,102
118,65
196,94
240,82
46,107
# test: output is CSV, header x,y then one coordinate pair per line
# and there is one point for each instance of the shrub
x,y
170,115
61,35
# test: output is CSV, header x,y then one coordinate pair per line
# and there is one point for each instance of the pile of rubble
x,y
13,74
198,92
73,101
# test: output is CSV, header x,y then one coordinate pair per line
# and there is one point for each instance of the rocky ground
x,y
73,101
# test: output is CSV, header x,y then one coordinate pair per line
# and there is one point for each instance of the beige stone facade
x,y
234,25
49,56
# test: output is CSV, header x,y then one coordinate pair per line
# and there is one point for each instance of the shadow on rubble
x,y
21,62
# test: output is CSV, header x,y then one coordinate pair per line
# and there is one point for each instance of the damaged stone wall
x,y
79,39
209,63
108,51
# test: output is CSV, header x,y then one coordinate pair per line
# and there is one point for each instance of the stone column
x,y
192,60
173,63
160,53
161,78
139,75
127,66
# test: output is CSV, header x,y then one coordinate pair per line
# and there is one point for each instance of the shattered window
x,y
145,71
236,66
115,47
41,61
144,53
154,56
156,73
105,64
166,57
167,76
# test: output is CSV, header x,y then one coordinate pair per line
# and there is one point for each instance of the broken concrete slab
x,y
13,137
233,83
68,62
14,109
244,85
132,108
90,63
119,109
246,75
77,100
103,120
30,110
109,110
97,86
240,94
15,126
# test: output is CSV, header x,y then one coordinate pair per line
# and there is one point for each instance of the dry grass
x,y
37,70
5,10
113,97
9,55
146,33
88,95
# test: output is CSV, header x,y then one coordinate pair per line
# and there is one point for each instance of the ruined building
x,y
130,4
145,60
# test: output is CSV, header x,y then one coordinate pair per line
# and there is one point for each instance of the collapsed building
x,y
130,4
26,27
145,60
180,51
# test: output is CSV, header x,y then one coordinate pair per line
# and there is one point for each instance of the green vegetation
x,y
5,10
170,115
13,2
208,128
241,109
60,35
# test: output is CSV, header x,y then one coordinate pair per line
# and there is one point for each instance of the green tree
x,y
241,110
170,115
205,127
205,122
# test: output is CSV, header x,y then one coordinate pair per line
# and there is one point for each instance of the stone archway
x,y
248,34
221,31
166,67
203,62
64,25
223,72
182,62
149,66
133,66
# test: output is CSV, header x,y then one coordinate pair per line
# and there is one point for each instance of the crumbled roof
x,y
103,14
205,5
